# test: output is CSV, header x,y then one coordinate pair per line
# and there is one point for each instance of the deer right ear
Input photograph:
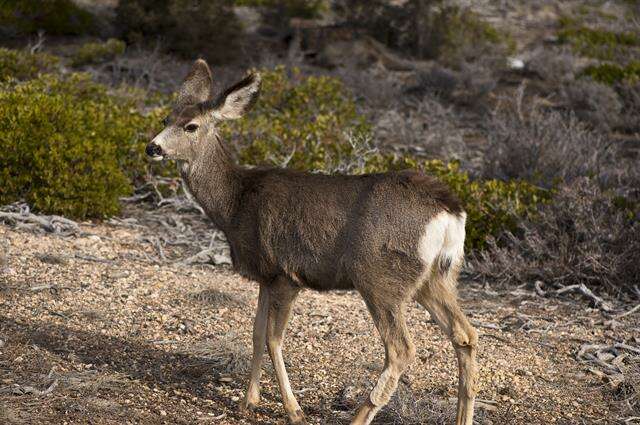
x,y
196,87
237,99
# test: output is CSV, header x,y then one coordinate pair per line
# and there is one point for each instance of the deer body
x,y
394,237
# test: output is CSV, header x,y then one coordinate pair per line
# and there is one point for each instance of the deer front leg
x,y
281,297
252,398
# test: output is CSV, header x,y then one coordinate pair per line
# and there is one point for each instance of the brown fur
x,y
290,229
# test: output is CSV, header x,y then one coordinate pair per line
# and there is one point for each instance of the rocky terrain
x,y
106,323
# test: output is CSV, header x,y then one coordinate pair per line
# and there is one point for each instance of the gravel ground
x,y
95,328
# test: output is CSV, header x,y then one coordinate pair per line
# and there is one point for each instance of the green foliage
x,y
455,32
92,53
312,124
55,17
23,65
611,74
68,147
597,43
190,28
429,29
303,122
492,206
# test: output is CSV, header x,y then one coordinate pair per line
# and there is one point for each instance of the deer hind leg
x,y
439,297
399,353
252,397
282,294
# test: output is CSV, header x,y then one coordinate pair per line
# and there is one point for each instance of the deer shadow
x,y
143,362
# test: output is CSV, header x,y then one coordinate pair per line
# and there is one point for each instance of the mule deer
x,y
394,237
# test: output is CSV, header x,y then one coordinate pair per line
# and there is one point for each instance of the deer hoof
x,y
248,406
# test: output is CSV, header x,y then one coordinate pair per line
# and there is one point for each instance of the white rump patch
x,y
443,240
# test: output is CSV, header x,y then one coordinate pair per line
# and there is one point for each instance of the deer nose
x,y
153,150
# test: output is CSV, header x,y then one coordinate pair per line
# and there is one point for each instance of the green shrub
x,y
597,43
92,53
311,123
55,17
493,206
278,14
68,147
187,27
429,29
608,73
303,122
455,33
23,65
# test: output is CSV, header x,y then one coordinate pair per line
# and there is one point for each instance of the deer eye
x,y
191,128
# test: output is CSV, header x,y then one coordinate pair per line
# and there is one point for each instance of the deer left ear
x,y
237,99
196,87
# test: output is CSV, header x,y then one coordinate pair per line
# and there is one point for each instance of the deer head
x,y
195,114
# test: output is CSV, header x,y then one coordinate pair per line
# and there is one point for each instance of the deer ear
x,y
196,87
237,99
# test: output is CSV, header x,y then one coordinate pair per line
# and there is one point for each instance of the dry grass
x,y
215,298
227,355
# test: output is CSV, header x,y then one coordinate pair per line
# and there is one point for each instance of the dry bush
x,y
189,27
145,69
470,86
595,103
542,147
427,127
216,298
406,406
629,391
552,65
227,355
630,96
584,235
377,90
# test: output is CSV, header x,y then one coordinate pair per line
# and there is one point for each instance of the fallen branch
x,y
27,389
19,215
209,256
582,288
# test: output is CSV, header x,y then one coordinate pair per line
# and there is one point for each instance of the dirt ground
x,y
95,329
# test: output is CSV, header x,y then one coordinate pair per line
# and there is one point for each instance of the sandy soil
x,y
93,329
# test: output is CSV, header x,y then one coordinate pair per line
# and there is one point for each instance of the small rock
x,y
163,413
51,258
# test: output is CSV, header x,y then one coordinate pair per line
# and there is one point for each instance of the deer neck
x,y
215,182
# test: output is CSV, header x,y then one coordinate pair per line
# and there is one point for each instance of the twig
x,y
633,310
88,257
486,325
622,346
538,287
499,338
